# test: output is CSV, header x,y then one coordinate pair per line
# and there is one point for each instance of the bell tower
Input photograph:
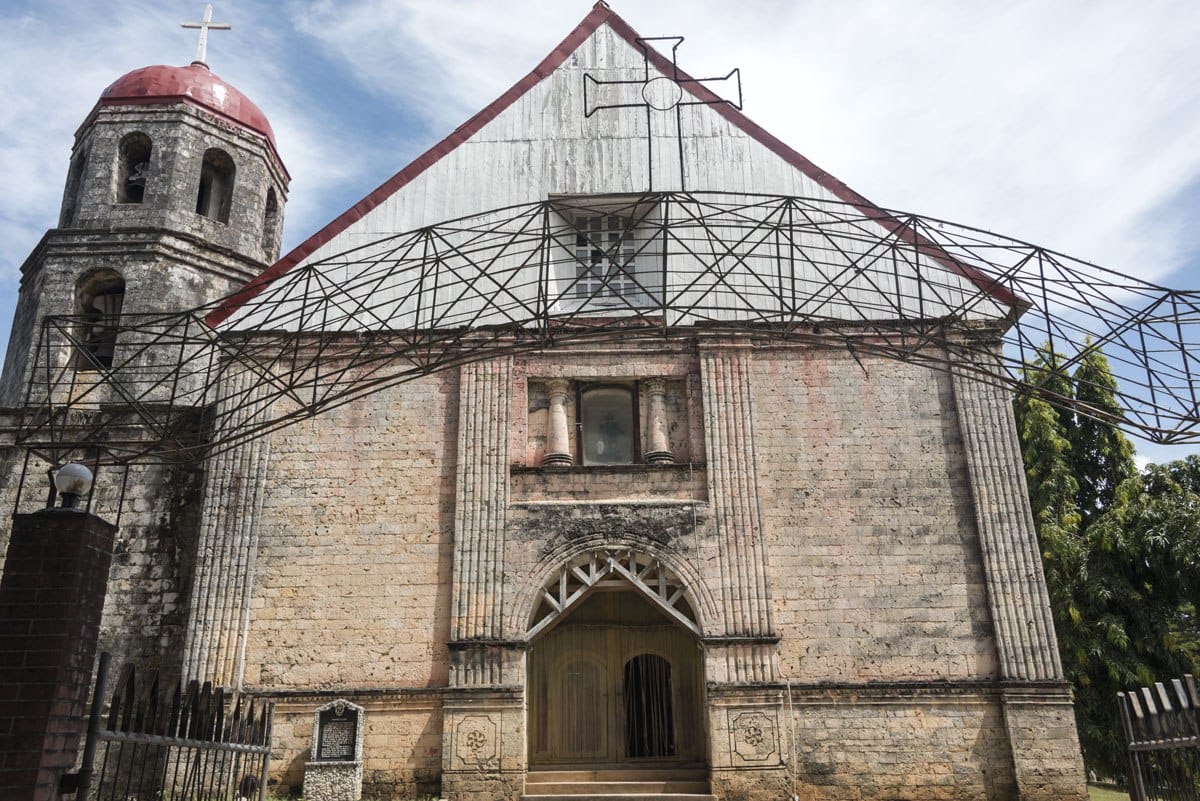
x,y
174,197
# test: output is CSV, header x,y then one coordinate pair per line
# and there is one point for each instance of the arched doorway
x,y
615,681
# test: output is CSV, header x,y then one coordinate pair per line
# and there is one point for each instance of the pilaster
x,y
1020,606
748,743
483,716
746,749
733,490
219,612
1038,717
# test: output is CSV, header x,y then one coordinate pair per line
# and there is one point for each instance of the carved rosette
x,y
754,737
476,745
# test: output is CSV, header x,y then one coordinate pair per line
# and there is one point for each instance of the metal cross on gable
x,y
205,25
661,93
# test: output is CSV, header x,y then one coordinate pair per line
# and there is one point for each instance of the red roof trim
x,y
599,15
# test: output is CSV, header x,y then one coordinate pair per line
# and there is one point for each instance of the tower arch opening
x,y
74,187
270,227
214,196
99,297
133,167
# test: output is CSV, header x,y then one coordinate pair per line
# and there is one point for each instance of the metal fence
x,y
193,743
1162,727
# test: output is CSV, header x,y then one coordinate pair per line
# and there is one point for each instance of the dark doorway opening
x,y
649,710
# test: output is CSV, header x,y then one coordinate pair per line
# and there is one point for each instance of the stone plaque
x,y
337,734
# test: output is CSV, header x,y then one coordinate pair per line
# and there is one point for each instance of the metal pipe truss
x,y
184,385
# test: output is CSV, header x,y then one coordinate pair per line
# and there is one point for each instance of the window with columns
x,y
606,422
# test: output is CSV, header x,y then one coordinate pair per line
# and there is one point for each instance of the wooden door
x,y
615,683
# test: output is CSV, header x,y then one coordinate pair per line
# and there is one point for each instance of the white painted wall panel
x,y
542,145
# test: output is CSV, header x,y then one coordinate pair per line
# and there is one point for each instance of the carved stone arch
x,y
574,578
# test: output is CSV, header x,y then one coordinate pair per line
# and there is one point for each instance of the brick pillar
x,y
51,598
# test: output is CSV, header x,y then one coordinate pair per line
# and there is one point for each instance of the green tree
x,y
1053,490
1140,593
1121,551
1101,456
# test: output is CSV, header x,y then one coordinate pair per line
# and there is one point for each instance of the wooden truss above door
x,y
614,568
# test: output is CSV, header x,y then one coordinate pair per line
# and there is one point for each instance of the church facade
x,y
706,563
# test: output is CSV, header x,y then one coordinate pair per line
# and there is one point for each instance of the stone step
x,y
617,788
686,773
603,796
687,782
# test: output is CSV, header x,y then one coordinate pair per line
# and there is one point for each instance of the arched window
x,y
74,183
608,423
100,297
215,195
270,224
133,165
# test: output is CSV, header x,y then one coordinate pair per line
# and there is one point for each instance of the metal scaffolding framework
x,y
658,266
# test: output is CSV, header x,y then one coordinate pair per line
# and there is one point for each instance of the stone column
x,y
483,738
658,446
745,702
558,440
51,600
219,609
1037,701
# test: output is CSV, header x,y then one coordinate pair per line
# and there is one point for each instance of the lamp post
x,y
72,480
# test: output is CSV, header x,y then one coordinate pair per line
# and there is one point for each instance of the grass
x,y
1100,792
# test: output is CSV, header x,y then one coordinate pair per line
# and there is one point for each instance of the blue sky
x,y
1072,124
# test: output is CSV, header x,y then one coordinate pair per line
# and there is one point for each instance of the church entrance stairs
x,y
619,784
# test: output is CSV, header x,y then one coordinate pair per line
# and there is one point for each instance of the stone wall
x,y
353,569
402,742
145,607
352,581
899,743
871,672
874,558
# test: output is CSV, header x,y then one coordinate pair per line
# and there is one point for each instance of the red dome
x,y
194,83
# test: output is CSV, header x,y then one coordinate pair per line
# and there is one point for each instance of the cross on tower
x,y
205,25
662,92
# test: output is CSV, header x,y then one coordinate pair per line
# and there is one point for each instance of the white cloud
x,y
1071,124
